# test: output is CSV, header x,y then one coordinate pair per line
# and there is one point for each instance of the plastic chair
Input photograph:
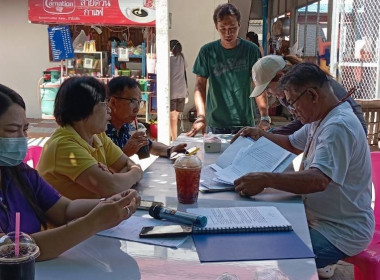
x,y
367,263
33,154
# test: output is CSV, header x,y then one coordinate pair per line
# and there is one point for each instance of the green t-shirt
x,y
230,83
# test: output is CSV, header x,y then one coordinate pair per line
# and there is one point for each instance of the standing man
x,y
226,64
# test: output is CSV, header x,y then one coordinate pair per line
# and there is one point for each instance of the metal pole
x,y
334,37
305,29
317,29
265,25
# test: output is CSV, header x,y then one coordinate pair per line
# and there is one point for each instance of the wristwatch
x,y
266,118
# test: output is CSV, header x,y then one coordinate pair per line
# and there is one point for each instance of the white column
x,y
334,63
162,69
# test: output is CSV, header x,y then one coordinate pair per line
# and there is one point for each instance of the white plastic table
x,y
110,258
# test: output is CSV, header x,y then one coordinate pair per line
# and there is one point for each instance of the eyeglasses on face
x,y
291,105
133,102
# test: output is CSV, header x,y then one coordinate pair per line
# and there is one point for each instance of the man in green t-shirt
x,y
226,64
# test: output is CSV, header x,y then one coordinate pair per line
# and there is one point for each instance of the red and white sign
x,y
97,12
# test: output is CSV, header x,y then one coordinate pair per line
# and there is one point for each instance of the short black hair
x,y
117,85
304,74
76,99
253,37
8,97
114,38
226,10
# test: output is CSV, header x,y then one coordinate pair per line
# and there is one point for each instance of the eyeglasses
x,y
133,102
291,105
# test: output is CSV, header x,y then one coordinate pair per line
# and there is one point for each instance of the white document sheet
x,y
242,218
261,156
130,230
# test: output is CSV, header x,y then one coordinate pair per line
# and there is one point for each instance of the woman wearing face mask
x,y
24,191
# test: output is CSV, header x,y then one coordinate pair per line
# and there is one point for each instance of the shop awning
x,y
94,12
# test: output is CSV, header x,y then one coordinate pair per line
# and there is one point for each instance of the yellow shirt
x,y
66,155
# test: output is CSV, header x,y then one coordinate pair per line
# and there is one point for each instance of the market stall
x,y
98,38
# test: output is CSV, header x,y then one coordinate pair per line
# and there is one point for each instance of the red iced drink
x,y
188,171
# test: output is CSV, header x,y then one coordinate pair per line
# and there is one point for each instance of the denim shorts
x,y
325,252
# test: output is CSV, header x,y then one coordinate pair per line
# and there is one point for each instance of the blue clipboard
x,y
222,247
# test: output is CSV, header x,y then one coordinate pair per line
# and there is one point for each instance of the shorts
x,y
177,104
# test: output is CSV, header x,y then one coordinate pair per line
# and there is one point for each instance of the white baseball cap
x,y
264,70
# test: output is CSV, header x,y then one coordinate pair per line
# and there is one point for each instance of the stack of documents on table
x,y
243,156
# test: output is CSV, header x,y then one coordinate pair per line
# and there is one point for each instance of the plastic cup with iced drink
x,y
19,267
143,152
188,172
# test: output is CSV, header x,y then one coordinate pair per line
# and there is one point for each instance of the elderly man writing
x,y
335,174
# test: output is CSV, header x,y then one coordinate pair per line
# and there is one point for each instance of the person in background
x,y
117,41
335,174
226,64
124,99
79,160
178,85
254,38
268,71
24,191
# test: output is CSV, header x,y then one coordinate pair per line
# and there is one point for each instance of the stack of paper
x,y
243,156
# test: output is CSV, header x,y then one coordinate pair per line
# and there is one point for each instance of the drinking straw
x,y
136,123
17,237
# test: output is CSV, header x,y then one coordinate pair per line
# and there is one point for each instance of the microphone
x,y
159,212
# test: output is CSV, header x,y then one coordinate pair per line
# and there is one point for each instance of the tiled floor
x,y
40,131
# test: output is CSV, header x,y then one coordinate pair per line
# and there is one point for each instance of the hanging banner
x,y
98,12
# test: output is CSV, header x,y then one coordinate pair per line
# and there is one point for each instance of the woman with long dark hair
x,y
178,85
23,190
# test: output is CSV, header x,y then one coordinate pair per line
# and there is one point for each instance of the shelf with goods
x,y
142,56
148,93
87,63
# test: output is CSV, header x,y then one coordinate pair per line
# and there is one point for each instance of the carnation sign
x,y
99,12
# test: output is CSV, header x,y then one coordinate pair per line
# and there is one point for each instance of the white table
x,y
108,258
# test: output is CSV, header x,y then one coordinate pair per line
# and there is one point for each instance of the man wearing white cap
x,y
266,74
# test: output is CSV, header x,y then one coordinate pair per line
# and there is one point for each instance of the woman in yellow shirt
x,y
79,160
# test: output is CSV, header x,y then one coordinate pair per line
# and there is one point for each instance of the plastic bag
x,y
79,41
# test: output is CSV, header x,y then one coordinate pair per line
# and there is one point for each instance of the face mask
x,y
12,150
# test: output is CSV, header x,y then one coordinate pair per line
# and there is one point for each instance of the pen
x,y
192,151
270,129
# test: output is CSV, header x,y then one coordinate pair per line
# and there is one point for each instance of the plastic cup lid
x,y
186,161
28,248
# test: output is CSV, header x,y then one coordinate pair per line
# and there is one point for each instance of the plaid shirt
x,y
121,137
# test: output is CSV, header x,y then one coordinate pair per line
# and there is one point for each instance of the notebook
x,y
241,219
247,233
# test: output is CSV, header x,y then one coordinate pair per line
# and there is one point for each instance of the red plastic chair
x,y
33,154
367,263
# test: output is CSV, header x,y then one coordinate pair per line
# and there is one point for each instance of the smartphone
x,y
165,231
146,204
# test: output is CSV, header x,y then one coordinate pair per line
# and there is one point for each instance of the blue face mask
x,y
12,150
